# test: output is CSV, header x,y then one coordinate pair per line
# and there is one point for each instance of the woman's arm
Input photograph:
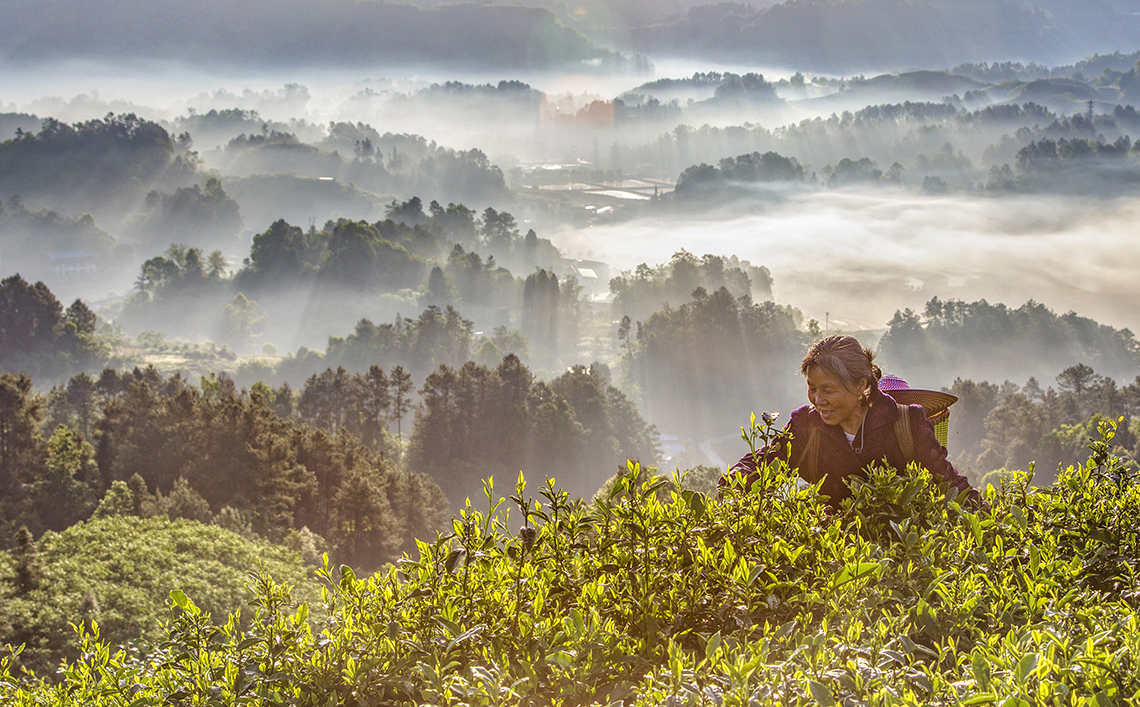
x,y
779,448
929,453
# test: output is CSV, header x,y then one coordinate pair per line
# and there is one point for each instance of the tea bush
x,y
118,571
766,596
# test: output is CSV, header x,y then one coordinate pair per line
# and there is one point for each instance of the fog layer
x,y
854,257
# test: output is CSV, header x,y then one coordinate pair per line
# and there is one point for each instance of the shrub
x,y
128,565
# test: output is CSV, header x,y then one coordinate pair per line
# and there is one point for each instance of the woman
x,y
851,424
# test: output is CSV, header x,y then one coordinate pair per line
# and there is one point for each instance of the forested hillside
x,y
1006,149
103,165
710,359
983,340
434,382
478,422
207,454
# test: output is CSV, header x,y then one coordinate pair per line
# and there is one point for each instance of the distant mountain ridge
x,y
852,36
857,35
290,32
836,36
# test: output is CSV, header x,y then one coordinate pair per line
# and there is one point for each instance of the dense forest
x,y
210,454
1018,148
136,174
40,337
983,340
720,352
326,457
382,265
318,470
710,359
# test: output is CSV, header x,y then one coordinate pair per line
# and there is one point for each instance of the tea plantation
x,y
662,596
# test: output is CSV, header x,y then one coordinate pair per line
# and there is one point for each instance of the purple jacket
x,y
837,458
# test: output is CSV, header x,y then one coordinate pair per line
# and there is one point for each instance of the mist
x,y
854,257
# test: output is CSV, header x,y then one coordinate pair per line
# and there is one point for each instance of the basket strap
x,y
808,463
904,434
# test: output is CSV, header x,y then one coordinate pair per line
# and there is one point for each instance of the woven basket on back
x,y
935,403
941,422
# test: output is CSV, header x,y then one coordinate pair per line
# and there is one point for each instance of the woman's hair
x,y
843,357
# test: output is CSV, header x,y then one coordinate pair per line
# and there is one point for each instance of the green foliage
x,y
704,181
550,314
700,364
40,338
759,597
475,422
639,293
89,161
379,262
118,501
196,214
702,478
244,318
1011,426
984,341
166,281
360,257
1047,157
946,145
750,87
27,571
393,255
126,566
28,234
21,445
849,171
64,494
283,251
161,447
437,337
356,156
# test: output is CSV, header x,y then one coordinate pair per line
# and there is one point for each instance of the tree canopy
x,y
475,422
39,337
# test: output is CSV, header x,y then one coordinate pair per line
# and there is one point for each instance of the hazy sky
x,y
862,255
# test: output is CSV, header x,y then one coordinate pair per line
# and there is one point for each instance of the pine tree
x,y
26,562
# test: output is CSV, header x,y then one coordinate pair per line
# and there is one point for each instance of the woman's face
x,y
836,404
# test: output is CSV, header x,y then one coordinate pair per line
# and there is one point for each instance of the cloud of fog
x,y
165,90
75,91
857,256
